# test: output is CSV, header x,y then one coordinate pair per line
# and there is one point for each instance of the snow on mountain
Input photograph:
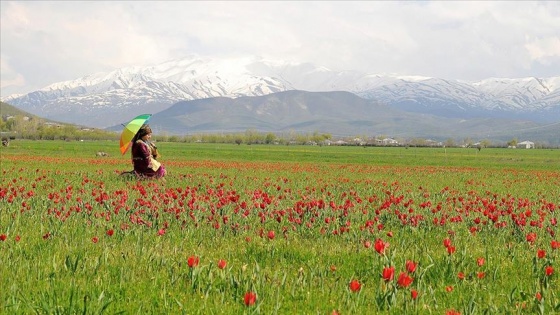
x,y
105,99
517,93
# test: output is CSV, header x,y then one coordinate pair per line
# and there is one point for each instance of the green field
x,y
546,159
298,226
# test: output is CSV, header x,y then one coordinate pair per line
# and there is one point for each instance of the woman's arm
x,y
144,152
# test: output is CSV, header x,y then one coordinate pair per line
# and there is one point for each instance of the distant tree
x,y
47,133
251,136
512,143
320,137
292,135
485,143
269,138
163,136
418,142
302,138
173,138
211,138
68,132
449,143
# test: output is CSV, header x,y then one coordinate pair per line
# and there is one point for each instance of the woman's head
x,y
144,130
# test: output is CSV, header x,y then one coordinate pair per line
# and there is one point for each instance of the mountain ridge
x,y
105,99
308,112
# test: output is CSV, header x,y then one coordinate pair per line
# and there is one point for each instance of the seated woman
x,y
144,155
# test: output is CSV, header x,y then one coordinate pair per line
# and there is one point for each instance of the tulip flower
x,y
250,298
388,273
355,286
193,261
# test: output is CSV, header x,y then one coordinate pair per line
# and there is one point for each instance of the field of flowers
x,y
279,230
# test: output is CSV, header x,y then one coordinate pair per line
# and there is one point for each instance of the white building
x,y
526,145
390,141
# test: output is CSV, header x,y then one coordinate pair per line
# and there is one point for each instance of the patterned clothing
x,y
144,162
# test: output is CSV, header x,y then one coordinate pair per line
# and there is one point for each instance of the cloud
x,y
10,78
544,49
45,42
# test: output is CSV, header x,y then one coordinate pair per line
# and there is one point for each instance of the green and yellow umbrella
x,y
131,129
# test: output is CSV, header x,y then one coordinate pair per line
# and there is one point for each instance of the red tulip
x,y
3,237
480,261
193,261
222,264
538,296
250,298
414,294
355,286
271,235
380,246
461,276
411,266
110,232
541,253
549,270
404,280
94,239
531,237
388,273
450,250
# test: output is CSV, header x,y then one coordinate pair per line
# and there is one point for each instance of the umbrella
x,y
131,129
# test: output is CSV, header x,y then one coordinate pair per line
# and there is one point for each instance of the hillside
x,y
17,123
9,110
337,113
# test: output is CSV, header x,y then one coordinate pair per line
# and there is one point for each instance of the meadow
x,y
270,229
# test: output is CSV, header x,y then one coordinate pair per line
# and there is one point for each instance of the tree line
x,y
34,128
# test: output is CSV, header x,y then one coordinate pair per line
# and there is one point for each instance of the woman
x,y
144,155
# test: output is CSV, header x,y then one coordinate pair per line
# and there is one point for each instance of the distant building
x,y
526,145
434,143
389,141
386,141
359,141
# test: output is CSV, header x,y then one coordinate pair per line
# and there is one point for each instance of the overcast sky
x,y
45,42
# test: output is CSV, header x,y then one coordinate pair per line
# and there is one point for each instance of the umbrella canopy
x,y
131,129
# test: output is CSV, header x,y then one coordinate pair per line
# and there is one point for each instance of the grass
x,y
327,207
545,159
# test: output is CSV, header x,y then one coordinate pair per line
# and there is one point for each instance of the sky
x,y
44,42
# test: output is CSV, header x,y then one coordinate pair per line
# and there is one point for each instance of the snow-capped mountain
x,y
337,113
106,99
